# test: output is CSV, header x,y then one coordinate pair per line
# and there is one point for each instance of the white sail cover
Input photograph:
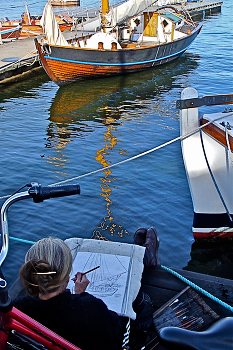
x,y
51,28
129,9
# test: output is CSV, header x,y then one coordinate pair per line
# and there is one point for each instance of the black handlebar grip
x,y
40,193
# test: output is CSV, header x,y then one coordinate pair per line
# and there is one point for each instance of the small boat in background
x,y
65,2
207,145
129,40
9,33
30,26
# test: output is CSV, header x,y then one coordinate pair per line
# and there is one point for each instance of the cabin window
x,y
137,21
165,23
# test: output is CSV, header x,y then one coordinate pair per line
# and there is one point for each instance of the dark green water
x,y
51,134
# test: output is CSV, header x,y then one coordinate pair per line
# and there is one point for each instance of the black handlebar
x,y
40,193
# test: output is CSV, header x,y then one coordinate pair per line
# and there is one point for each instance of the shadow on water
x,y
212,258
109,97
21,89
79,109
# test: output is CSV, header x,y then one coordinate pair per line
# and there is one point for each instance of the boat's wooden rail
x,y
161,286
217,133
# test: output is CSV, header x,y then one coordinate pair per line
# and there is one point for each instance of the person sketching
x,y
80,318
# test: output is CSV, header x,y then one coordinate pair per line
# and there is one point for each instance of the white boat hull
x,y
209,168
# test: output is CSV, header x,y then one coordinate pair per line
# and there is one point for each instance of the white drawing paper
x,y
109,282
118,280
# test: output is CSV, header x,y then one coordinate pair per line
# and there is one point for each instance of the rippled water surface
x,y
51,134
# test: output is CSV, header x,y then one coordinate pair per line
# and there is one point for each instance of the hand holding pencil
x,y
81,281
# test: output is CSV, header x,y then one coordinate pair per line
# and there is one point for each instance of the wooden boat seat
x,y
218,337
135,45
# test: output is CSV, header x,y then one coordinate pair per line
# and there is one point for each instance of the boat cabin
x,y
154,26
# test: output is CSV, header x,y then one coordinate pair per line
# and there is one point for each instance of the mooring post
x,y
1,35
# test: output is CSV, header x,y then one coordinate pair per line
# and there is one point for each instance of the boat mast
x,y
28,14
105,11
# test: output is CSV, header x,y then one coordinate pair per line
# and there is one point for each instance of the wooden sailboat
x,y
207,154
30,26
129,40
9,33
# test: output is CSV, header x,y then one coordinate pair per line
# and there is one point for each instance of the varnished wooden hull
x,y
10,32
69,64
218,134
31,30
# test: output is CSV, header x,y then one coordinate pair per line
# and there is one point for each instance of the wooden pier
x,y
202,8
19,59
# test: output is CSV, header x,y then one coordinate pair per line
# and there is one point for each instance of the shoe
x,y
140,236
152,244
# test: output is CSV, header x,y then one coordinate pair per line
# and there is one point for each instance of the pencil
x,y
84,273
94,268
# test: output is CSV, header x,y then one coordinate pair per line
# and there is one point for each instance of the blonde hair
x,y
48,264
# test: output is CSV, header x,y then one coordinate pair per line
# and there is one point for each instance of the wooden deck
x,y
161,286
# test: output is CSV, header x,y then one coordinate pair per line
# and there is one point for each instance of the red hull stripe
x,y
211,234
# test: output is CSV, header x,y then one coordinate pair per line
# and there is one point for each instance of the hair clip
x,y
34,285
44,273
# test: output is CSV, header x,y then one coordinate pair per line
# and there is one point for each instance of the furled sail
x,y
51,28
129,9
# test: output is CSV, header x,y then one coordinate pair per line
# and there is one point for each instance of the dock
x,y
19,59
202,8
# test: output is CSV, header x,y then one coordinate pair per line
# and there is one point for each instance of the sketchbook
x,y
118,279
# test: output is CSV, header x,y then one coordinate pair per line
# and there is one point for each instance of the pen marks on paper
x,y
107,281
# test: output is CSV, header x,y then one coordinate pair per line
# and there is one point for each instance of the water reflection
x,y
79,109
107,224
93,100
212,258
24,88
106,101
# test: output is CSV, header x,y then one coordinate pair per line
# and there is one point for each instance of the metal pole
x,y
1,34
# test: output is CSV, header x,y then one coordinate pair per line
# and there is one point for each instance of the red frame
x,y
20,322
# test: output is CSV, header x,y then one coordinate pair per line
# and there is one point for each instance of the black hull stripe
x,y
201,220
118,64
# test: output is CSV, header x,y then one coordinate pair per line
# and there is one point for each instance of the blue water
x,y
51,134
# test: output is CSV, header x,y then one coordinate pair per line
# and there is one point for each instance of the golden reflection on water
x,y
105,101
59,136
69,111
107,224
66,123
